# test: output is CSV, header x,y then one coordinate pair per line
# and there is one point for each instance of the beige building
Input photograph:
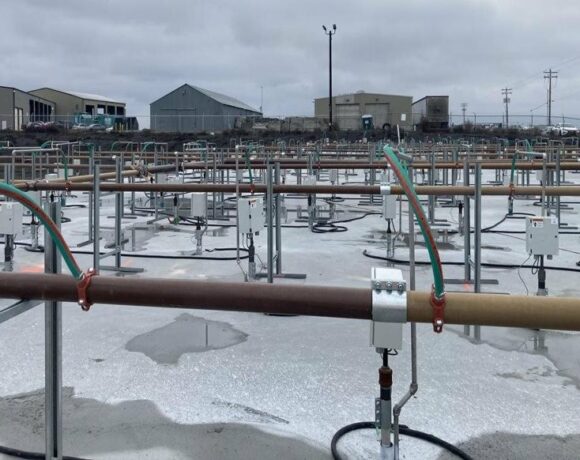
x,y
69,103
348,109
18,108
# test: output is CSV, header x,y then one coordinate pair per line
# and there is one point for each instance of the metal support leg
x,y
270,222
413,387
53,350
118,213
97,218
278,207
477,242
466,234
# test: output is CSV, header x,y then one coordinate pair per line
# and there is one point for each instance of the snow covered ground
x,y
167,383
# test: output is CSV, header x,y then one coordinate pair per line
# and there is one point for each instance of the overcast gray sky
x,y
138,50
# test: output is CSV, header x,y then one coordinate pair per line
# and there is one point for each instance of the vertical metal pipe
x,y
431,209
97,218
118,212
278,206
477,242
91,203
466,225
466,233
558,182
53,349
270,222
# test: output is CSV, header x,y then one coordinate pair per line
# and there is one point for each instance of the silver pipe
x,y
278,206
53,349
96,218
413,387
270,222
118,213
477,242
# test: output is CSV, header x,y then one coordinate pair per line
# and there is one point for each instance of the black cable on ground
x,y
483,264
404,430
31,455
328,227
192,257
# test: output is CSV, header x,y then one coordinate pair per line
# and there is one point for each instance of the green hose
x,y
249,165
22,198
418,211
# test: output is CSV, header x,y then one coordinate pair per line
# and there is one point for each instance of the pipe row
x,y
558,313
435,190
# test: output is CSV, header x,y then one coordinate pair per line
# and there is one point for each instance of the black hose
x,y
163,256
31,455
483,264
404,430
328,227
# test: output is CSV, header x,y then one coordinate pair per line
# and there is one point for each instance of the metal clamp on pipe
x,y
385,189
389,308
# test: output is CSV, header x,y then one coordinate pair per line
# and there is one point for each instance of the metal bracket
x,y
389,307
385,189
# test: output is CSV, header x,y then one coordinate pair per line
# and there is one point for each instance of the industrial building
x,y
431,113
190,109
348,109
18,108
69,104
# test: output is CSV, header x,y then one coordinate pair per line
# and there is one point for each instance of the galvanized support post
x,y
91,202
97,218
53,350
466,234
431,209
278,207
477,242
118,213
270,222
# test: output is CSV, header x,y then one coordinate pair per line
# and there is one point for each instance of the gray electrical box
x,y
333,175
11,218
389,207
251,215
542,236
198,204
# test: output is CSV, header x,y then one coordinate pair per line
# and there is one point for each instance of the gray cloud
x,y
137,50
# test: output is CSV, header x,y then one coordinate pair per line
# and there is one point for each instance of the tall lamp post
x,y
330,33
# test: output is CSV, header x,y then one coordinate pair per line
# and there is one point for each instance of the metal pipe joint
x,y
389,307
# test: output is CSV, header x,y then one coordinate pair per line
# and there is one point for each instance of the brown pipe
x,y
461,308
436,190
154,292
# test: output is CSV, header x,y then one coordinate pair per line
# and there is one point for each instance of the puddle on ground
x,y
494,446
187,334
561,348
136,237
138,429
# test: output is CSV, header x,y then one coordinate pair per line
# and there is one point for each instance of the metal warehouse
x,y
71,103
348,109
17,108
190,109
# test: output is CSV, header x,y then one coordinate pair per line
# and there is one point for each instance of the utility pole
x,y
550,75
464,109
330,33
506,92
261,100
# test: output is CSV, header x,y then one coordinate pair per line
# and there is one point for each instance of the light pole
x,y
330,33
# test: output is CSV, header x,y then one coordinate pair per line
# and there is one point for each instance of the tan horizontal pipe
x,y
461,308
562,313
